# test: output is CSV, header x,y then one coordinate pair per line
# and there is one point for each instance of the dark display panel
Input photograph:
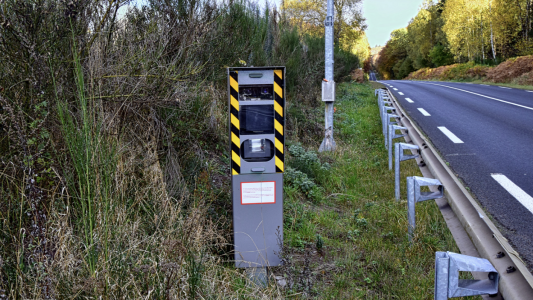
x,y
256,119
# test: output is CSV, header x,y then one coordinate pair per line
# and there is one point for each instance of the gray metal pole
x,y
328,144
397,171
411,201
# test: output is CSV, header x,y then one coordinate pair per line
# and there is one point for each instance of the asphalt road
x,y
373,76
485,133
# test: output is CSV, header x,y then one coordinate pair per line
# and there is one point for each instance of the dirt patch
x,y
468,71
511,70
358,75
515,70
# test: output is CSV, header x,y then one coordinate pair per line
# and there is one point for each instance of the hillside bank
x,y
515,71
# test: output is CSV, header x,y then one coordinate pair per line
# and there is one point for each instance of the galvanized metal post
x,y
442,270
328,144
392,135
447,282
384,113
388,123
399,157
414,195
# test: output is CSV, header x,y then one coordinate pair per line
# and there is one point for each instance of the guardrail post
x,y
392,135
414,195
447,282
399,157
383,109
384,114
388,123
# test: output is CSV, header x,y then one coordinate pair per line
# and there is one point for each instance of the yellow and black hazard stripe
x,y
279,119
234,123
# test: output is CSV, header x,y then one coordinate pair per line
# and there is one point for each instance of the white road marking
x,y
409,100
524,198
424,112
502,87
395,89
523,106
484,84
450,135
400,93
529,91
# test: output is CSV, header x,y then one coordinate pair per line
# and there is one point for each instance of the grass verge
x,y
344,231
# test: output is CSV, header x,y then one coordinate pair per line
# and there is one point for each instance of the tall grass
x,y
93,157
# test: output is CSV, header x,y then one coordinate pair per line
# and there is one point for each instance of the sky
x,y
384,16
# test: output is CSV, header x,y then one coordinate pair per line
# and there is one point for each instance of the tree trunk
x,y
492,34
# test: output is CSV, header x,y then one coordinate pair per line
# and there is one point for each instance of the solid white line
x,y
523,106
401,94
409,100
450,135
424,112
514,190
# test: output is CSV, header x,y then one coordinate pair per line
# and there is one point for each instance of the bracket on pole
x,y
447,282
414,195
399,157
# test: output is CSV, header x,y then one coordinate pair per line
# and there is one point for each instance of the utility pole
x,y
328,85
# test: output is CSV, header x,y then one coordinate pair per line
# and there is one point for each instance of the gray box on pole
x,y
328,91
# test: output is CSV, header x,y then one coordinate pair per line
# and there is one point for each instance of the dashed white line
x,y
424,112
409,100
395,89
529,91
400,93
502,87
450,135
496,99
524,198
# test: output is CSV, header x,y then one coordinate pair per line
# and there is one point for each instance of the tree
x,y
309,16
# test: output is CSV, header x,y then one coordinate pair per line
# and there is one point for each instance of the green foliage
x,y
319,242
299,180
440,56
306,161
444,32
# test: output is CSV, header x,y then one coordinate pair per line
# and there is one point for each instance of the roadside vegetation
x,y
514,72
345,234
114,166
462,40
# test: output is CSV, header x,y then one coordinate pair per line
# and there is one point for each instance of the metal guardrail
x,y
399,157
447,282
515,281
414,195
